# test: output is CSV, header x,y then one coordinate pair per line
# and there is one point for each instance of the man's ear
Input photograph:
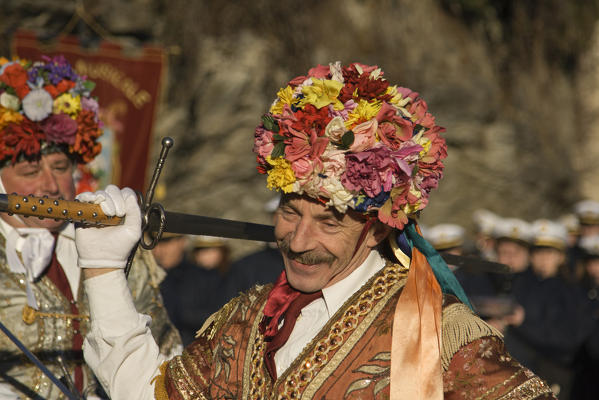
x,y
379,232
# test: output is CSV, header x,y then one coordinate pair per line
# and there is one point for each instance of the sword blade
x,y
187,224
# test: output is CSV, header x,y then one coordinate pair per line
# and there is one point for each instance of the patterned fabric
x,y
350,357
49,331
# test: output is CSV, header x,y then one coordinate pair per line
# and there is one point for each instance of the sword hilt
x,y
147,207
59,209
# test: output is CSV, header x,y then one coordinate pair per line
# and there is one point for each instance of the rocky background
x,y
516,84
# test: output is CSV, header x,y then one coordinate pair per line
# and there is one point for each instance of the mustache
x,y
308,257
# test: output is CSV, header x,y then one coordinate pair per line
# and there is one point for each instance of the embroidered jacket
x,y
349,358
48,332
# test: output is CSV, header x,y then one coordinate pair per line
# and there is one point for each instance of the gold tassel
x,y
460,327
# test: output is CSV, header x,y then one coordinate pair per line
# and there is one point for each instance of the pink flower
x,y
418,111
262,142
393,129
59,128
348,107
320,72
87,103
302,167
371,171
303,144
406,92
364,136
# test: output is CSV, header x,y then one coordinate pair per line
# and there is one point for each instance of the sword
x,y
156,220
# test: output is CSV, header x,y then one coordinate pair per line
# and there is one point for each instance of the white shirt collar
x,y
335,295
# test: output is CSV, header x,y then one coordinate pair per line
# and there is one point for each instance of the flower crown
x,y
44,107
345,136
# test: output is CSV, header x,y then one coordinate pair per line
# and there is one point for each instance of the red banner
x,y
128,91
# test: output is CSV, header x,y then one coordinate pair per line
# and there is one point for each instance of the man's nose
x,y
48,182
302,237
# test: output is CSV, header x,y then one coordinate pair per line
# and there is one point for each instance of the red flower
x,y
62,87
15,76
23,138
85,145
311,119
365,87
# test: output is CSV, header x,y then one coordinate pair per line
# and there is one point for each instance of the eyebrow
x,y
330,214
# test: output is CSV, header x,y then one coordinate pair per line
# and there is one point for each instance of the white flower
x,y
335,129
10,101
336,73
338,196
37,105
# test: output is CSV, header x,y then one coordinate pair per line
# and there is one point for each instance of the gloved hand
x,y
109,247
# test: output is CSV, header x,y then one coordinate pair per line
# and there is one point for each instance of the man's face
x,y
545,261
318,244
512,254
51,176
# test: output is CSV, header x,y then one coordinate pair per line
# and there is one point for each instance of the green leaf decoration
x,y
278,138
384,356
269,123
89,85
358,385
415,170
380,385
373,369
347,139
278,150
417,129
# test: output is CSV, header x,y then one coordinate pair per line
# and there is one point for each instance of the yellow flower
x,y
3,60
7,116
322,93
422,141
285,96
281,176
365,111
67,104
412,208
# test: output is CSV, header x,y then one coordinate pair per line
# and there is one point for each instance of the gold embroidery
x,y
30,315
324,351
369,305
160,392
531,389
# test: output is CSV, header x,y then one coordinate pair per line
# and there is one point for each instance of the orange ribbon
x,y
416,372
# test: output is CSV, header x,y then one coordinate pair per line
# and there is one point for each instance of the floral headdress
x,y
44,107
344,135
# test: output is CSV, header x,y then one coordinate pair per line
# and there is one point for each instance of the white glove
x,y
109,247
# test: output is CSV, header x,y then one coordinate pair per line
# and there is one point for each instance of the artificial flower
x,y
364,136
345,136
59,128
280,176
285,97
68,104
322,93
7,116
37,105
45,103
10,101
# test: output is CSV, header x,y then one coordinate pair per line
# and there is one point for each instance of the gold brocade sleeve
x,y
484,370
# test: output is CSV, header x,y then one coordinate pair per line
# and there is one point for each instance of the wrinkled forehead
x,y
319,206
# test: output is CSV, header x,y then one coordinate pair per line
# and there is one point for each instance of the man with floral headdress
x,y
365,307
49,124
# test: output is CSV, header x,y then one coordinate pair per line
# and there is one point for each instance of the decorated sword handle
x,y
148,208
69,210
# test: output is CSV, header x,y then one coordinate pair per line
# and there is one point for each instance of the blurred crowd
x,y
546,304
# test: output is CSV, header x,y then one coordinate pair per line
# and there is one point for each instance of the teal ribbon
x,y
447,280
